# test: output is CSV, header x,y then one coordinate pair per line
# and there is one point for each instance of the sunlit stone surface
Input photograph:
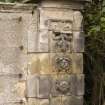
x,y
41,53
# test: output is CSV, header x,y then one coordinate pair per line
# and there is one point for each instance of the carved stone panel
x,y
63,38
67,85
61,85
60,31
60,25
61,35
62,63
67,63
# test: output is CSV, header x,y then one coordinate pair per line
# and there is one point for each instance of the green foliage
x,y
94,27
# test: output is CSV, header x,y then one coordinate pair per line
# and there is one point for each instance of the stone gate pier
x,y
41,53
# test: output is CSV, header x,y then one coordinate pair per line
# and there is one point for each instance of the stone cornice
x,y
17,7
26,1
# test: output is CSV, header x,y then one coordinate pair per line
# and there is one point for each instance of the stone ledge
x,y
27,1
16,7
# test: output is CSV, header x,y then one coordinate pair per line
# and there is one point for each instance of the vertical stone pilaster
x,y
58,60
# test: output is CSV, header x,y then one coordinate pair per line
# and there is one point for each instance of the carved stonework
x,y
62,63
62,41
61,38
60,25
62,86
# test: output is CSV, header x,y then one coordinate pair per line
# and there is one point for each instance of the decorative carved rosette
x,y
62,86
62,63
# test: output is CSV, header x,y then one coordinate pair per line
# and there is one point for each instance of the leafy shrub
x,y
94,27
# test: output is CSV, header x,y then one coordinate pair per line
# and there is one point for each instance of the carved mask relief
x,y
62,41
61,38
63,63
62,86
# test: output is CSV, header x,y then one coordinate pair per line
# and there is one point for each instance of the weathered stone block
x,y
45,85
80,85
13,35
77,85
13,61
36,101
21,26
11,88
32,86
77,63
54,13
56,101
39,86
39,63
78,41
32,31
67,63
43,102
68,85
78,21
72,100
61,85
67,100
43,41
